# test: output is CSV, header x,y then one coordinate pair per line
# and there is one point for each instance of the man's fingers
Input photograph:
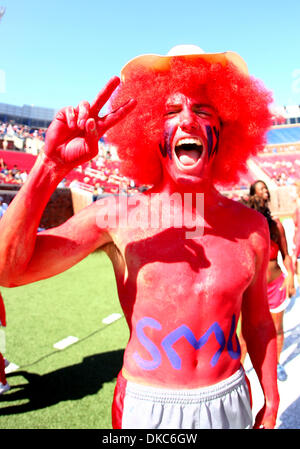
x,y
77,117
114,117
83,111
91,136
104,95
70,117
91,128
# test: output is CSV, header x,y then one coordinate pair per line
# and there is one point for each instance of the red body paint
x,y
196,285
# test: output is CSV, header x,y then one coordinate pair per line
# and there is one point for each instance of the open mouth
x,y
188,151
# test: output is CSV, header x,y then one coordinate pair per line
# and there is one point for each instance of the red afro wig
x,y
242,103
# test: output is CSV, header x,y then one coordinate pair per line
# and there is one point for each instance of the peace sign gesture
x,y
72,138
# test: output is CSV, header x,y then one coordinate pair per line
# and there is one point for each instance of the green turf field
x,y
69,388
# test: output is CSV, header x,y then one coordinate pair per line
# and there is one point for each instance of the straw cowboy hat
x,y
161,63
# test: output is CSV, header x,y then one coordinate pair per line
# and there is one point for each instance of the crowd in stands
x,y
281,163
282,168
291,148
23,131
21,138
13,175
102,174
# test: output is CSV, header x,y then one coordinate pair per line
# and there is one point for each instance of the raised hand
x,y
288,284
72,138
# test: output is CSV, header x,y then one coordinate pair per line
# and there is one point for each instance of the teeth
x,y
190,141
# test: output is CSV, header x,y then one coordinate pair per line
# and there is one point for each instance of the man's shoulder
x,y
243,212
249,223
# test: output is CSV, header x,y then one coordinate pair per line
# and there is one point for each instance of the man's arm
x,y
287,261
259,331
71,140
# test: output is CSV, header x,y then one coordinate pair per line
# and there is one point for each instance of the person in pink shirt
x,y
280,285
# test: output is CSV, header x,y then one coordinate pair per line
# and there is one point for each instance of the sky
x,y
57,53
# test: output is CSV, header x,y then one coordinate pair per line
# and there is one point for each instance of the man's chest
x,y
198,268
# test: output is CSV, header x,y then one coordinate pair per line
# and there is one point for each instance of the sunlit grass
x,y
70,388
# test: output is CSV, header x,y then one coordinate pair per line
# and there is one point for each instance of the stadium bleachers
x,y
283,134
24,161
84,177
282,168
279,161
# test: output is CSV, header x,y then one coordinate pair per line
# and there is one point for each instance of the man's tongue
x,y
188,157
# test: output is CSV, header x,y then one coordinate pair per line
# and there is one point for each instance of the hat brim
x,y
160,63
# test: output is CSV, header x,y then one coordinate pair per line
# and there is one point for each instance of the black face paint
x,y
211,147
166,147
217,134
163,150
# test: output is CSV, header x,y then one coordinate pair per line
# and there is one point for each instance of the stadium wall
x,y
58,210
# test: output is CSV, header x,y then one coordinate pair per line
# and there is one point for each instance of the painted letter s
x,y
148,344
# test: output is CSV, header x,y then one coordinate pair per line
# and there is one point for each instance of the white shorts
x,y
225,405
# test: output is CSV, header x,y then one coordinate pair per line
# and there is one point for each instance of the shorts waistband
x,y
186,396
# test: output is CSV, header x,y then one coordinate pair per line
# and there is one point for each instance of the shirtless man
x,y
181,293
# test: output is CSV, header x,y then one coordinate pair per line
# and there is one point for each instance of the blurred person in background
x,y
3,206
296,217
280,286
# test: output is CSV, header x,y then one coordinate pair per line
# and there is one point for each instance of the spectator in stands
x,y
23,175
12,176
98,190
11,179
18,177
3,207
14,170
62,184
100,162
21,131
280,287
2,129
74,184
3,167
